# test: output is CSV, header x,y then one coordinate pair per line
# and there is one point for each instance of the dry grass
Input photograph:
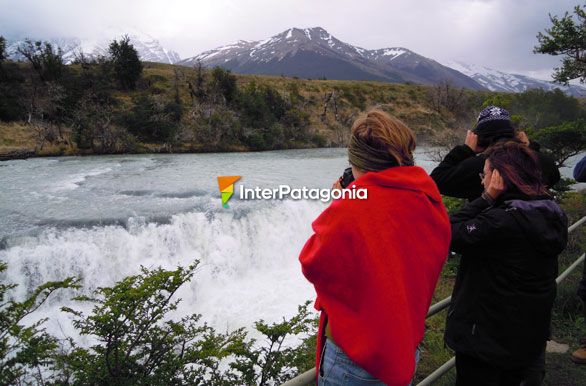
x,y
15,136
407,101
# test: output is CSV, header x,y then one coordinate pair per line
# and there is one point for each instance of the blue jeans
x,y
337,369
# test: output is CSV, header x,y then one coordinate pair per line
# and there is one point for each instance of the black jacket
x,y
501,304
458,174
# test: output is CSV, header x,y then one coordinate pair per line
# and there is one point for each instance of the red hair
x,y
519,167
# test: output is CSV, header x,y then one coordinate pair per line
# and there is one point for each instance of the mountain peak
x,y
294,33
315,53
317,29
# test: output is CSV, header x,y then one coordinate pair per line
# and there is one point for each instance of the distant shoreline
x,y
23,154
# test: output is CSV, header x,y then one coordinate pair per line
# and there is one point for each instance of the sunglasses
x,y
482,175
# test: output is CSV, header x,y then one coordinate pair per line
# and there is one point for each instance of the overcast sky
x,y
496,33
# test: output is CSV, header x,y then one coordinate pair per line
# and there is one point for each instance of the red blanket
x,y
374,264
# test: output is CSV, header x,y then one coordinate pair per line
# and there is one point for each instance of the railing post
x,y
438,373
570,269
302,379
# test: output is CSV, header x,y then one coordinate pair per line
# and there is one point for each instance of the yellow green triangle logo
x,y
226,184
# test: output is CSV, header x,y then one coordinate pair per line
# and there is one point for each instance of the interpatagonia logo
x,y
226,184
283,192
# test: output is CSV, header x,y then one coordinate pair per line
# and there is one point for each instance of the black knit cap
x,y
494,122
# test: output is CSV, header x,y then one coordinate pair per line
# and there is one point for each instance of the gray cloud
x,y
496,33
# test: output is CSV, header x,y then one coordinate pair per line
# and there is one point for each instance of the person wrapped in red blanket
x,y
375,262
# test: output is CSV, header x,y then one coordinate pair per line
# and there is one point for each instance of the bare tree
x,y
46,62
197,89
44,132
330,98
444,97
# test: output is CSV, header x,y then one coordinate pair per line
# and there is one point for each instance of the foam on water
x,y
74,181
248,261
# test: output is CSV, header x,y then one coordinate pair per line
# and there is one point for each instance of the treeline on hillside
x,y
50,96
114,103
107,106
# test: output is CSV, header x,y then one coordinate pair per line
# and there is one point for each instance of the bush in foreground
x,y
137,342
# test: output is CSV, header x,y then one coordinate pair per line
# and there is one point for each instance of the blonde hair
x,y
384,132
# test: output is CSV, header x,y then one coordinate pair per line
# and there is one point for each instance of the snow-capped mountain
x,y
149,49
496,80
315,53
69,48
408,62
279,46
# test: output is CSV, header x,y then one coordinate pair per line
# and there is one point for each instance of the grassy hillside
x,y
180,109
324,108
412,103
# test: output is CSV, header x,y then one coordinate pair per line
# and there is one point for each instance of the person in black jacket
x,y
509,238
457,174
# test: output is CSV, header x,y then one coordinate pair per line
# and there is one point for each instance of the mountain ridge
x,y
315,53
500,81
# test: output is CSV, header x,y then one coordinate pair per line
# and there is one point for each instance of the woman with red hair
x,y
509,239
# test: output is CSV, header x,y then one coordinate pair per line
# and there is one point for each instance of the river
x,y
101,217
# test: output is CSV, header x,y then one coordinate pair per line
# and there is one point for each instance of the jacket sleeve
x,y
535,146
580,170
474,226
457,174
549,171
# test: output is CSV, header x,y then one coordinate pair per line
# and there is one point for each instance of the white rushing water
x,y
101,218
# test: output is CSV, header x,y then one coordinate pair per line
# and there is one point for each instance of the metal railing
x,y
309,376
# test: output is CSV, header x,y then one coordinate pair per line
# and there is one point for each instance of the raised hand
x,y
472,141
522,136
337,185
496,185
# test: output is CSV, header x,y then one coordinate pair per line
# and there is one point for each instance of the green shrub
x,y
562,141
25,349
319,140
224,83
137,342
453,204
260,106
153,118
